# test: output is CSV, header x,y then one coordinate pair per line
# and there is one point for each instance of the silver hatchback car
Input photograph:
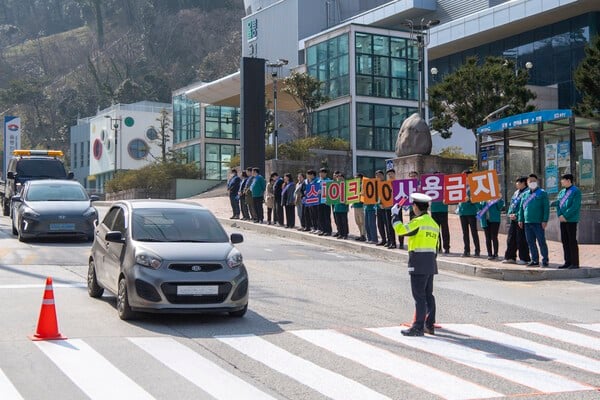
x,y
167,256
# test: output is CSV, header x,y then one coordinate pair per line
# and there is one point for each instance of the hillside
x,y
64,59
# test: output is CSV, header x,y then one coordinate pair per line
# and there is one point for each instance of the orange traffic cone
x,y
47,328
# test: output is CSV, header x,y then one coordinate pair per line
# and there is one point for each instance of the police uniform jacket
x,y
423,233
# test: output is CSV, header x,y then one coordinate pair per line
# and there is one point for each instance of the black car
x,y
53,208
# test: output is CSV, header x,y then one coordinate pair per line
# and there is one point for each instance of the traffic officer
x,y
423,233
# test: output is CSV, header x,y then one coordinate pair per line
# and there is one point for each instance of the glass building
x,y
206,135
370,77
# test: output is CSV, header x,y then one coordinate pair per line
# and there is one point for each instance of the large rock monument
x,y
414,137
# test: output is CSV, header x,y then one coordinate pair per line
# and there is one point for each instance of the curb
x,y
504,274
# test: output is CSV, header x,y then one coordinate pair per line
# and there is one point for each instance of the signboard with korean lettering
x,y
334,192
455,188
484,186
352,190
403,188
369,190
433,185
312,194
385,193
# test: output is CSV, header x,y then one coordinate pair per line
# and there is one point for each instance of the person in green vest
x,y
467,212
568,204
340,212
533,217
489,217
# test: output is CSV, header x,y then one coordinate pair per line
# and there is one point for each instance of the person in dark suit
x,y
233,188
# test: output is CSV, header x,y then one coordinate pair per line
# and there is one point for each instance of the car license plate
x,y
62,227
197,290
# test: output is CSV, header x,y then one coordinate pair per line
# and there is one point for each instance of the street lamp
x,y
514,55
275,70
420,33
116,123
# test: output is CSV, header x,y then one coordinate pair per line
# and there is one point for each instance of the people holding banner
x,y
568,204
391,176
287,200
311,201
340,212
439,213
533,217
324,213
298,193
467,212
515,240
423,233
359,216
489,217
381,215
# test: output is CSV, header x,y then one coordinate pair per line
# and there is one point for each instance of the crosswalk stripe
x,y
7,390
525,375
91,372
559,334
528,346
202,372
591,327
322,380
422,376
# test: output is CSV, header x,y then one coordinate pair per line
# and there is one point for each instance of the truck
x,y
26,165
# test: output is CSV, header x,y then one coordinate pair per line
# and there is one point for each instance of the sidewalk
x,y
473,266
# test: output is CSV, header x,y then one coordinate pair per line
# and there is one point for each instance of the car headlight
x,y
234,258
90,212
148,260
30,213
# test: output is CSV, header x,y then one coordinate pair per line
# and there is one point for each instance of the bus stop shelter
x,y
549,143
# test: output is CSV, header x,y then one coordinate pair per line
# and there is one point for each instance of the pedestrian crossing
x,y
462,361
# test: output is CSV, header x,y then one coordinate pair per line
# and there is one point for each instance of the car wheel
x,y
239,313
14,229
94,290
123,308
20,236
5,207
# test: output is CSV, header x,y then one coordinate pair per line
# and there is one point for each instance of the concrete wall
x,y
330,159
185,188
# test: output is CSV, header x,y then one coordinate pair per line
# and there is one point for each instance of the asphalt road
x,y
307,334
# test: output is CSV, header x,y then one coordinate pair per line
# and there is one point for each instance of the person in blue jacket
x,y
533,216
568,204
489,216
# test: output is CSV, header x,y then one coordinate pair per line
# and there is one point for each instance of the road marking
x,y
7,390
203,373
422,376
559,334
528,346
91,372
43,285
269,250
322,380
525,375
591,327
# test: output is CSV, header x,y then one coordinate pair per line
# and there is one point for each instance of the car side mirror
x,y
236,238
16,198
94,197
114,236
70,176
10,175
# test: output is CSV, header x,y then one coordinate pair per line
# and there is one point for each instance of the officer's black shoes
x,y
545,264
533,264
412,332
382,243
391,246
564,266
573,266
429,330
466,254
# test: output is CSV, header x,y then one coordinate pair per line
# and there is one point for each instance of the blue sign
x,y
529,118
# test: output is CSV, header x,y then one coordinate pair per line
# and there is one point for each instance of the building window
x,y
186,119
222,122
97,149
377,125
386,67
82,154
333,122
151,133
217,160
137,149
328,61
74,160
368,165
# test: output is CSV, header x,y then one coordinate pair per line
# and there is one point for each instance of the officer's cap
x,y
420,198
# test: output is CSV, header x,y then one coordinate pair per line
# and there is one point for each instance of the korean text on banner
x,y
369,190
484,186
455,188
312,197
353,190
385,194
334,192
403,188
433,186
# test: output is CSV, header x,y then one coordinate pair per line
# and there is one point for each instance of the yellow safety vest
x,y
423,233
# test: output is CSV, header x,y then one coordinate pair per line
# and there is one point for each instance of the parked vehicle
x,y
167,256
27,165
53,208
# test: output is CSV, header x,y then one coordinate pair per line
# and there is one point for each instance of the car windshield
x,y
41,168
177,225
56,192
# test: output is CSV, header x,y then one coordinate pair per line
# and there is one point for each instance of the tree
x,y
472,92
587,80
164,123
306,91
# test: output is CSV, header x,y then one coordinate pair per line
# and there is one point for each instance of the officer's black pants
x,y
422,291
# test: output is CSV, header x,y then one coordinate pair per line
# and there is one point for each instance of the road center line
x,y
42,285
